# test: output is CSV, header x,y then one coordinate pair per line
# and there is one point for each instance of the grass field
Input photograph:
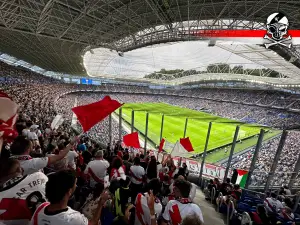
x,y
222,131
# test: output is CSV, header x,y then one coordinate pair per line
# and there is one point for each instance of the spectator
x,y
151,169
260,217
21,149
82,146
123,197
59,188
71,159
88,155
17,189
137,174
272,204
177,210
142,213
91,203
127,164
97,169
191,220
117,169
61,164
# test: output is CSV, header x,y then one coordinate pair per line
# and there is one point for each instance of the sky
x,y
140,62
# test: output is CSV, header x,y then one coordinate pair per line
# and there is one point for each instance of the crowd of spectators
x,y
69,179
53,176
285,166
265,209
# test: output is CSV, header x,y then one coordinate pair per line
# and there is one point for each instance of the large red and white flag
x,y
8,110
8,117
186,143
180,151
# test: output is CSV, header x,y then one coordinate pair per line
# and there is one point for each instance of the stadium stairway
x,y
210,216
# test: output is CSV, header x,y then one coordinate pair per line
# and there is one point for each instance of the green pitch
x,y
222,131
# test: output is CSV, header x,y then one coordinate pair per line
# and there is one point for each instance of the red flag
x,y
91,114
161,145
132,140
186,143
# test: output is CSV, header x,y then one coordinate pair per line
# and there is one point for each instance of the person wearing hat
x,y
97,169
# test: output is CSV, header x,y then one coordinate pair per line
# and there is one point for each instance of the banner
x,y
209,171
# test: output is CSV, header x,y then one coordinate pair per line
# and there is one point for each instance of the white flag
x,y
57,121
180,151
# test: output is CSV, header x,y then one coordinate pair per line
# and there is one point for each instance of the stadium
x,y
149,112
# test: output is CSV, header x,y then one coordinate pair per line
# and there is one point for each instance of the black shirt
x,y
87,156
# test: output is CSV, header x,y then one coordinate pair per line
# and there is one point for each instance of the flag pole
x,y
120,123
185,127
162,127
109,129
254,158
146,133
237,129
132,121
204,152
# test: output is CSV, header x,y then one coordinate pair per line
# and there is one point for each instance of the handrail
x,y
230,215
219,201
246,219
213,194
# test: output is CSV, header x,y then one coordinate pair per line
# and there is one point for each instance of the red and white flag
x,y
8,110
183,148
8,117
186,143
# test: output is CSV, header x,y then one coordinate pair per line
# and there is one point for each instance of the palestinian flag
x,y
241,177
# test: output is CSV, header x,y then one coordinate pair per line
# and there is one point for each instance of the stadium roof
x,y
55,34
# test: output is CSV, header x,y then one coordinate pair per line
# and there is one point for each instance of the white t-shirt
x,y
25,132
70,216
32,136
71,156
176,211
137,173
19,200
142,212
98,168
273,205
31,165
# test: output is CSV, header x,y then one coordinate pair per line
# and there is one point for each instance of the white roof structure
x,y
54,35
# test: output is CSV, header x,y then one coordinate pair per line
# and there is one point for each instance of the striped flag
x,y
241,177
8,117
8,111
